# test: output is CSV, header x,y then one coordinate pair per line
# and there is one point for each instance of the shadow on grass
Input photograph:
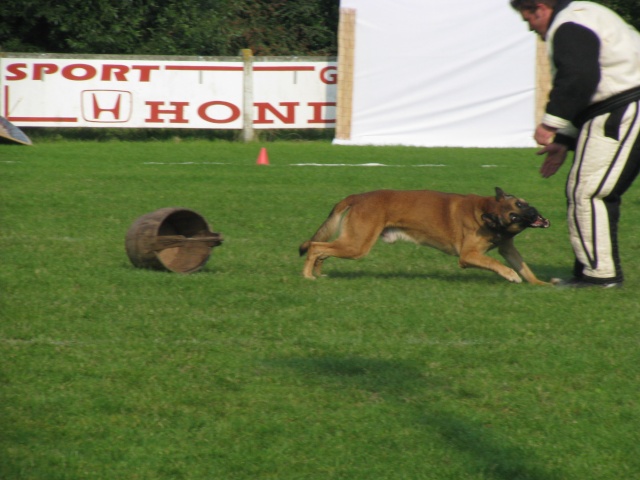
x,y
487,453
544,273
484,451
448,277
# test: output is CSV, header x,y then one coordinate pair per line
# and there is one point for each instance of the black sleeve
x,y
565,140
576,52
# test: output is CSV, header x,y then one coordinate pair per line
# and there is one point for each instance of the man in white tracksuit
x,y
594,109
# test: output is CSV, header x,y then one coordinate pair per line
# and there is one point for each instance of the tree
x,y
628,9
285,27
185,27
170,27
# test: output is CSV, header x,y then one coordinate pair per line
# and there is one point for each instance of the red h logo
x,y
114,104
115,110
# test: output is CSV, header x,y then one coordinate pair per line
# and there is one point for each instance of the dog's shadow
x,y
358,274
394,382
461,276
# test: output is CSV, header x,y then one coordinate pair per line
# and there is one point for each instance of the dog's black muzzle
x,y
530,218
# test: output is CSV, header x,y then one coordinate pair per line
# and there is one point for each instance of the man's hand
x,y
544,134
556,154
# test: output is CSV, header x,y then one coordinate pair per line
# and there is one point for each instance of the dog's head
x,y
512,215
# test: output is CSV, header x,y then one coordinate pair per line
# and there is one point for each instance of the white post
x,y
346,58
247,95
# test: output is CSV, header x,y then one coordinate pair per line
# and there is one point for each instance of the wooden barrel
x,y
174,239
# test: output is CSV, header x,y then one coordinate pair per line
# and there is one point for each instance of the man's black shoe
x,y
580,283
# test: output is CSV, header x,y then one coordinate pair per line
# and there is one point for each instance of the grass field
x,y
397,366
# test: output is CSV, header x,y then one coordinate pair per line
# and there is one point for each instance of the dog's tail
x,y
330,226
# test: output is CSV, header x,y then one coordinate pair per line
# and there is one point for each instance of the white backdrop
x,y
442,73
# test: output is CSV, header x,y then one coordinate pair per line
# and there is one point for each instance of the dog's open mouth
x,y
540,222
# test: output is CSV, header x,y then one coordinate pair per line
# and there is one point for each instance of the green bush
x,y
196,27
200,27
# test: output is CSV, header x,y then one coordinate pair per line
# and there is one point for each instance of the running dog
x,y
467,226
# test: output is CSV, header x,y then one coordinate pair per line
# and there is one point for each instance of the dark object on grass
x,y
174,239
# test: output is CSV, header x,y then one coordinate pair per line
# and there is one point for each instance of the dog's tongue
x,y
540,222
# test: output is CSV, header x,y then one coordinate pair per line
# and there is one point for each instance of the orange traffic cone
x,y
263,158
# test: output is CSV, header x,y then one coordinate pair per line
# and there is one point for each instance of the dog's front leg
x,y
511,255
476,259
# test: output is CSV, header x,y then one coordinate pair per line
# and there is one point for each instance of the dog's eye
x,y
514,217
520,204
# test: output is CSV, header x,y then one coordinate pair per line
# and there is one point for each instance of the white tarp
x,y
442,73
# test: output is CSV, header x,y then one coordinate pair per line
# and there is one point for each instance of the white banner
x,y
442,73
55,92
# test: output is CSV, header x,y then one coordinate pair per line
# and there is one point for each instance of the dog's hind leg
x,y
319,251
355,241
313,262
317,267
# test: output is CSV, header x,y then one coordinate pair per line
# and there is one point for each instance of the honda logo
x,y
106,106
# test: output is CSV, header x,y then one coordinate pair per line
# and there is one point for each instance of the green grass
x,y
397,366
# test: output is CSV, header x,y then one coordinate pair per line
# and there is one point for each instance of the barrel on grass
x,y
174,239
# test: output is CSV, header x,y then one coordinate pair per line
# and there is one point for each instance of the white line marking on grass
x,y
29,238
185,163
37,341
300,164
359,165
195,341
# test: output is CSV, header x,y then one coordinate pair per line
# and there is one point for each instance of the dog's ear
x,y
500,194
492,220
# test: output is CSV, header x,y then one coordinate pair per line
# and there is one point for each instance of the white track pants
x,y
606,162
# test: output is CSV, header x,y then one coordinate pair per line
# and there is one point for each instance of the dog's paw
x,y
512,276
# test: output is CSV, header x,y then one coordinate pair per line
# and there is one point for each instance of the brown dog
x,y
467,226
